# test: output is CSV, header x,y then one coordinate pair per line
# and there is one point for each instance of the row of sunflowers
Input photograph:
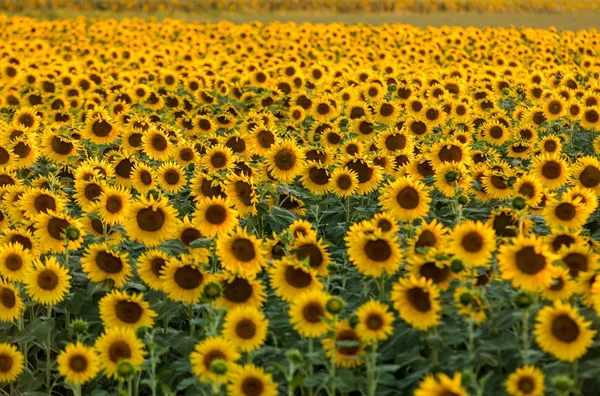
x,y
274,209
343,6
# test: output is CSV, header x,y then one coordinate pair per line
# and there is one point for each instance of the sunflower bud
x,y
72,233
212,291
451,176
79,326
125,369
520,91
456,266
505,92
463,199
335,305
518,203
219,367
466,298
523,300
294,356
141,332
562,384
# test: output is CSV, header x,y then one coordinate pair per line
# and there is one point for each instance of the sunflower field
x,y
282,209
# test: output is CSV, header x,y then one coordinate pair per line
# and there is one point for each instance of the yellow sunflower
x,y
214,216
562,286
308,313
473,309
119,309
586,173
241,191
417,301
11,363
113,205
526,263
183,279
207,351
525,381
472,242
375,321
15,261
288,278
102,262
37,201
151,221
11,304
116,344
241,253
239,290
351,353
50,228
561,332
250,380
440,385
343,182
373,253
405,199
285,161
150,265
565,212
78,363
245,328
48,283
551,170
311,248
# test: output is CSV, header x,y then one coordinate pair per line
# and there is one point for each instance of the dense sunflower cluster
x,y
320,209
343,6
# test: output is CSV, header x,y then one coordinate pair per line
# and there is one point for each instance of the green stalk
x,y
310,365
371,374
525,336
191,317
76,389
48,352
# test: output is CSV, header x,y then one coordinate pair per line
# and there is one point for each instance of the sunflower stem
x,y
130,386
76,389
48,351
310,364
575,377
191,317
152,349
348,210
382,286
525,336
371,367
332,371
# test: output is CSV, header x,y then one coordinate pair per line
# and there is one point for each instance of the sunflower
x,y
143,177
102,262
369,175
302,228
101,129
525,381
590,119
78,363
315,177
246,328
15,261
113,205
241,253
285,160
263,138
313,249
183,279
50,228
240,291
11,304
37,201
562,286
207,351
48,283
496,185
472,242
526,263
451,178
579,258
385,222
241,191
11,363
565,212
218,158
417,301
150,265
429,235
405,199
116,344
170,176
151,221
308,313
373,253
289,277
441,385
213,216
343,182
88,189
21,236
530,188
125,310
345,355
431,268
586,173
375,321
250,380
156,145
551,170
561,332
